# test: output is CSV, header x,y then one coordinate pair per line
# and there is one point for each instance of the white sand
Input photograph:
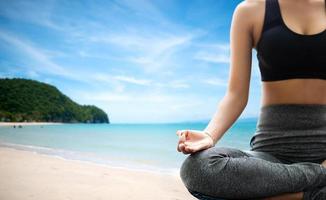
x,y
27,175
28,123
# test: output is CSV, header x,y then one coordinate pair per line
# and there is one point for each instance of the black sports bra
x,y
284,54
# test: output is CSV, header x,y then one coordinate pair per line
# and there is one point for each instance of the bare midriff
x,y
294,91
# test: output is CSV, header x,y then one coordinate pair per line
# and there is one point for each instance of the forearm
x,y
228,110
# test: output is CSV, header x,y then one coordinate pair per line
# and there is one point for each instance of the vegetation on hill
x,y
28,100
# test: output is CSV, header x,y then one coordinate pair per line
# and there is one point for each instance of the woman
x,y
287,159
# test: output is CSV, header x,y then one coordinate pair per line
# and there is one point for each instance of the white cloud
x,y
211,57
215,53
179,85
50,67
34,53
133,80
107,78
150,106
173,84
127,97
150,52
216,81
101,77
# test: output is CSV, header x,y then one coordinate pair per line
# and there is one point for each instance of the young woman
x,y
288,150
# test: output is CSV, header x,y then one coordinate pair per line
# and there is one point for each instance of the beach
x,y
29,175
28,123
99,161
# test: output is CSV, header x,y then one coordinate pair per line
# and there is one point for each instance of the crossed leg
x,y
229,173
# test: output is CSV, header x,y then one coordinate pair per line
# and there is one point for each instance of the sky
x,y
140,61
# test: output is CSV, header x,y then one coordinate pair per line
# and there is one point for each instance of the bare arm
x,y
236,97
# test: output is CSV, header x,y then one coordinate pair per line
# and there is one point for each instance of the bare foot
x,y
324,163
287,196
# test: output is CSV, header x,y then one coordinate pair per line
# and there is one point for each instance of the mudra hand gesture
x,y
191,141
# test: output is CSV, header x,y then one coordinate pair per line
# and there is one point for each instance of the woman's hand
x,y
191,141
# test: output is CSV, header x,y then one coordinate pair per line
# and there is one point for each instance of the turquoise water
x,y
136,146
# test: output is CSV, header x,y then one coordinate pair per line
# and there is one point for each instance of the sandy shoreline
x,y
28,175
28,123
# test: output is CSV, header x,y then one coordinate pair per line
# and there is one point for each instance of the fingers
x,y
193,148
178,132
190,147
182,136
178,145
183,144
181,148
182,133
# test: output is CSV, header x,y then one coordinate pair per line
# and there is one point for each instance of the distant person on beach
x,y
287,158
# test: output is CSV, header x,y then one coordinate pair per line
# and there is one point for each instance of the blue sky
x,y
140,61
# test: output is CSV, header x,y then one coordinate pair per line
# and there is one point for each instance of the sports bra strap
x,y
272,14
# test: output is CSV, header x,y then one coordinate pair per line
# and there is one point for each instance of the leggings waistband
x,y
292,117
294,132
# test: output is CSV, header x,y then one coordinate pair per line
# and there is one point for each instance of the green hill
x,y
29,100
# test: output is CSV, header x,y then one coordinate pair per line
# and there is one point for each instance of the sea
x,y
145,147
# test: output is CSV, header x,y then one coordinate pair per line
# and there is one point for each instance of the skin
x,y
306,17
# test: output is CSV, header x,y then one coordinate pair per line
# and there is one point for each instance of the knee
x,y
196,170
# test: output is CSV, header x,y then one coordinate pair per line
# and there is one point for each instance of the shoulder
x,y
249,8
249,12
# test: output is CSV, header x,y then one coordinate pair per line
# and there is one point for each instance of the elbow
x,y
238,98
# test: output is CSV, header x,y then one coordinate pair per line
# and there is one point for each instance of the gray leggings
x,y
277,163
